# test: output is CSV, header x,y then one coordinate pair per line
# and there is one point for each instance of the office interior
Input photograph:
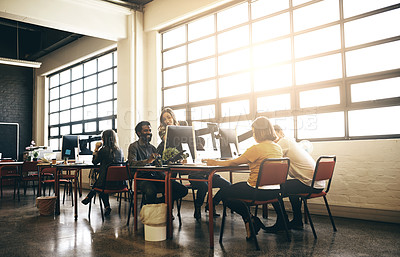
x,y
366,178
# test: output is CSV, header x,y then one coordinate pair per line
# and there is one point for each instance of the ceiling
x,y
26,41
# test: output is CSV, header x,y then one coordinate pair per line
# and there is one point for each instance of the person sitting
x,y
264,134
105,153
141,153
301,172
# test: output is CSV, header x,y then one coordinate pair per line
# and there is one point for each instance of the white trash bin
x,y
154,218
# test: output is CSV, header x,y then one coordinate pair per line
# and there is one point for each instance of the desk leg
x,y
76,194
39,181
169,203
211,210
80,182
135,204
57,192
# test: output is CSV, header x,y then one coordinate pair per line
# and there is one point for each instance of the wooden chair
x,y
9,173
115,174
50,173
323,171
29,174
272,172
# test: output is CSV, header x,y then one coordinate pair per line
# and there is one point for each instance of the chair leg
x,y
178,207
130,207
280,202
119,196
101,209
90,208
309,218
253,231
330,214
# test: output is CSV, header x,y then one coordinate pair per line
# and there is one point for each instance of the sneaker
x,y
296,225
86,201
275,228
107,212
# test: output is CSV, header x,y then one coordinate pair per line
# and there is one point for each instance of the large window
x,y
83,99
323,70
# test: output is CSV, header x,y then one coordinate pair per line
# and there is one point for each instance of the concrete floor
x,y
23,232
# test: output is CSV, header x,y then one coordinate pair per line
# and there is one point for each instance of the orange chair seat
x,y
315,195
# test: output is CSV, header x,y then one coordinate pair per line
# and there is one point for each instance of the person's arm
x,y
96,156
240,160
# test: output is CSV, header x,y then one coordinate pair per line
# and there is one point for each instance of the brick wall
x,y
16,94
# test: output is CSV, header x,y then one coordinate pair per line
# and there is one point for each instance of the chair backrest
x,y
324,170
49,170
117,173
273,171
29,166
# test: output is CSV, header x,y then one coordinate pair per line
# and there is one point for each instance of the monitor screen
x,y
178,135
69,143
228,143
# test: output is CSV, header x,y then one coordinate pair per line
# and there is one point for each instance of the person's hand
x,y
97,146
210,162
152,157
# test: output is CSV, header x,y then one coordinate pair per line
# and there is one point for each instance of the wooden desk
x,y
77,168
208,171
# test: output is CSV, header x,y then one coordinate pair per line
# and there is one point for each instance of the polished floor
x,y
23,232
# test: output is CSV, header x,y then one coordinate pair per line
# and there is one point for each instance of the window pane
x,y
273,77
54,132
202,48
372,28
54,81
235,61
233,39
65,76
90,112
77,114
235,85
65,117
90,97
316,14
298,2
320,97
65,103
318,41
105,124
202,70
235,108
175,76
264,7
175,96
174,37
375,90
203,112
90,67
54,106
202,91
180,114
90,82
201,27
174,56
77,72
77,86
286,124
54,119
65,90
54,93
271,28
53,143
105,93
76,100
115,74
373,59
105,62
273,103
115,109
65,130
232,16
319,69
77,129
321,125
273,52
353,7
105,109
90,127
384,121
105,77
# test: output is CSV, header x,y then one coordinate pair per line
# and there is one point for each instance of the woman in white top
x,y
301,172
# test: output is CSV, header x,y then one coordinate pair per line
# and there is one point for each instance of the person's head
x,y
263,129
109,138
143,130
167,117
279,132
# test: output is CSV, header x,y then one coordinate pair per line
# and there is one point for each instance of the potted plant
x,y
35,155
171,155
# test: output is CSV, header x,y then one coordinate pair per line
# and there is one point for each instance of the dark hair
x,y
140,125
263,129
171,112
110,139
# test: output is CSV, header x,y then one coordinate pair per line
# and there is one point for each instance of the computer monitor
x,y
181,137
69,143
228,143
